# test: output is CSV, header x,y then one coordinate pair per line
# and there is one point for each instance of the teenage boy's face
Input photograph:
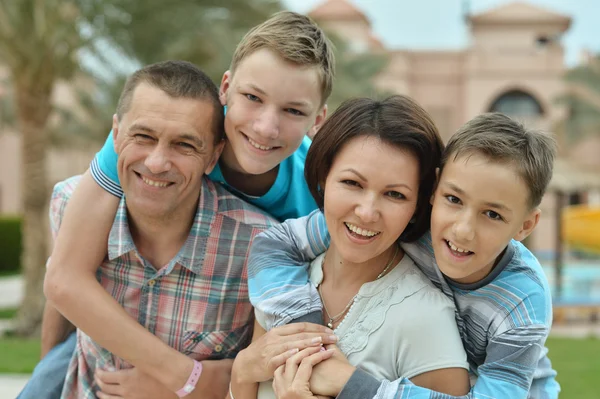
x,y
271,105
478,207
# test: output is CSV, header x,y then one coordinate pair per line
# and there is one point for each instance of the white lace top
x,y
399,326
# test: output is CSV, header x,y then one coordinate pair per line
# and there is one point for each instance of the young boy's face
x,y
478,207
271,105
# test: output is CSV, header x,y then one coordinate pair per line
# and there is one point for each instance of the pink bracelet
x,y
190,384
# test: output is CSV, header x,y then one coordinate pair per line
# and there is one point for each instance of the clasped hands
x,y
294,356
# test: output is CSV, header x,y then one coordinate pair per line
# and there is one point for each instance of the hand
x,y
328,378
291,381
130,384
258,362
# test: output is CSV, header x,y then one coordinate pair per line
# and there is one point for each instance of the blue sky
x,y
438,24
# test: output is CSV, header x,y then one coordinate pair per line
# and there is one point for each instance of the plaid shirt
x,y
198,303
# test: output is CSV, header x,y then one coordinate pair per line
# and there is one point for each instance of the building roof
x,y
338,10
569,177
519,12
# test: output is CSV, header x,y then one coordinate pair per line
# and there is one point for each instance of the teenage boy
x,y
490,184
275,92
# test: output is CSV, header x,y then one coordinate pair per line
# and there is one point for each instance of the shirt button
x,y
151,283
218,348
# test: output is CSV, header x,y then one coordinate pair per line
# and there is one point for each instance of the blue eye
x,y
252,97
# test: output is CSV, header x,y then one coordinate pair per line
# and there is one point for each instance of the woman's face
x,y
370,195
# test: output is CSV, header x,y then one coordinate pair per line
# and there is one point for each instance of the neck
x,y
159,239
344,273
254,185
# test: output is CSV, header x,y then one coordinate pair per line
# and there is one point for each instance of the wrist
x,y
192,380
239,371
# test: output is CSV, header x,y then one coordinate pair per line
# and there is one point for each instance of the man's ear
x,y
218,150
319,120
528,224
225,85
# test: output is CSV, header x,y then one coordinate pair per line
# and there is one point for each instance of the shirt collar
x,y
191,254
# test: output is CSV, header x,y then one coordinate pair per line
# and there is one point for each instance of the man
x,y
177,249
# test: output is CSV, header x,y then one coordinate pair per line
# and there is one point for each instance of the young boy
x,y
491,181
275,92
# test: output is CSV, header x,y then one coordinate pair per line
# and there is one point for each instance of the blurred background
x,y
63,64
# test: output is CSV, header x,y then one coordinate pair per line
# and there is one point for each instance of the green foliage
x,y
582,101
8,314
10,243
355,74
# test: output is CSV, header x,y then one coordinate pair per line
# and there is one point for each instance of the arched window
x,y
517,103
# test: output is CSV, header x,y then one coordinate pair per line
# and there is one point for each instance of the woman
x,y
371,169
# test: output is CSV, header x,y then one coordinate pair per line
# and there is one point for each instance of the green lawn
x,y
578,366
18,355
8,313
577,363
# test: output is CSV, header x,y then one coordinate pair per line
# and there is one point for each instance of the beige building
x,y
514,64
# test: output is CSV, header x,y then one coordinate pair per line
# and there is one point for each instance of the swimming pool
x,y
581,282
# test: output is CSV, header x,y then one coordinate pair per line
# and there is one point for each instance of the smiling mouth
x,y
362,233
457,251
258,146
154,183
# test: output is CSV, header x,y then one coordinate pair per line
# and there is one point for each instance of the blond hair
x,y
503,140
297,39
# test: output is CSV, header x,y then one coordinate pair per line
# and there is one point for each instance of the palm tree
x,y
582,100
41,42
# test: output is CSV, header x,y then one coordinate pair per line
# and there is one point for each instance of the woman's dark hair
x,y
398,121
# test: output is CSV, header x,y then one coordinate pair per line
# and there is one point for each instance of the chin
x,y
252,167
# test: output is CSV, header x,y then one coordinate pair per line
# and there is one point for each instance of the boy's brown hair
x,y
503,140
297,39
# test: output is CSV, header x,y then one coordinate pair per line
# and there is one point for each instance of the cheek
x,y
293,132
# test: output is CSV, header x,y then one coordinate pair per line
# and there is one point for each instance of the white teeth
x,y
455,248
362,232
260,147
154,183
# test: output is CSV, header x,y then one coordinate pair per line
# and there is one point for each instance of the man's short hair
x,y
500,139
178,79
295,38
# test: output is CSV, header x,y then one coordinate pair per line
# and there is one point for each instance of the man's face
x,y
271,105
165,145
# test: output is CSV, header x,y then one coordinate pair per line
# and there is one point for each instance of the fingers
x,y
102,395
295,375
307,364
282,352
110,376
106,388
291,365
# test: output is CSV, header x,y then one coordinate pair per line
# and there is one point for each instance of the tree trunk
x,y
32,100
